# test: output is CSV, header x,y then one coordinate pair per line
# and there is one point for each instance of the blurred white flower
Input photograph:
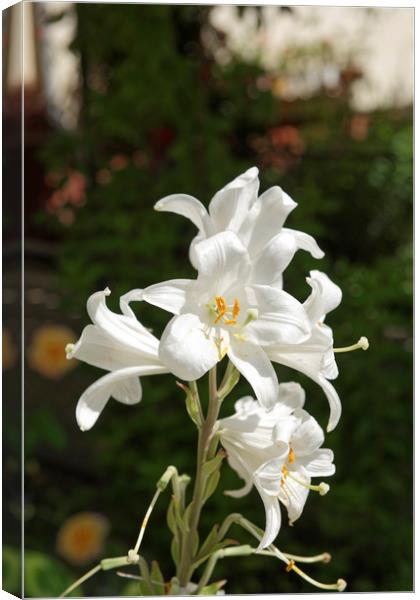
x,y
119,344
278,452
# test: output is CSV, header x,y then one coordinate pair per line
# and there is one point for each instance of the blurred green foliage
x,y
153,94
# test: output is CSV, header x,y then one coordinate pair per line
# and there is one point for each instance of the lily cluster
x,y
235,307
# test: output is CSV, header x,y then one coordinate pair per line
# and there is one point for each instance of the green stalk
x,y
204,438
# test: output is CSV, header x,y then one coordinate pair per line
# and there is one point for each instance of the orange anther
x,y
291,457
221,308
290,566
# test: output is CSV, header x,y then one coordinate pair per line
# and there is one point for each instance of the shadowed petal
x,y
186,206
94,399
168,295
186,349
229,207
253,363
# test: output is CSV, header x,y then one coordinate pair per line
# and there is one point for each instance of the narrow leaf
x,y
213,588
211,465
211,485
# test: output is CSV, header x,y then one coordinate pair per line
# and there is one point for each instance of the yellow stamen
x,y
220,307
235,313
291,457
325,557
222,310
323,488
363,344
340,586
284,473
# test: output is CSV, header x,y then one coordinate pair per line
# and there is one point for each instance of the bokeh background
x,y
125,104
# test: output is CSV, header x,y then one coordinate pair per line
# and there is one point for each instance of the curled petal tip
x,y
107,291
327,557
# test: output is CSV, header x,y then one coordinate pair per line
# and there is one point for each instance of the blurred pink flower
x,y
118,162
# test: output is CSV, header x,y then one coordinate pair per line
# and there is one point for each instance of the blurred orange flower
x,y
81,537
8,350
46,352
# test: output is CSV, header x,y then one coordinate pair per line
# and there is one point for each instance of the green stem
x,y
244,550
204,438
82,579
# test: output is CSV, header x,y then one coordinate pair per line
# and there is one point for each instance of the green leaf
x,y
211,485
211,465
209,542
46,576
171,518
175,550
12,570
157,579
213,588
133,588
192,404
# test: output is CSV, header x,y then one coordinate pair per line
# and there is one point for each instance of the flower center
x,y
228,313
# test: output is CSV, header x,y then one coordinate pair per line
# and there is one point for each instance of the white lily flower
x,y
119,344
257,221
278,452
223,312
314,356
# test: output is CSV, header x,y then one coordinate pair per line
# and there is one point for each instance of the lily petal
x,y
321,463
94,399
98,349
308,437
131,296
305,242
229,207
168,295
186,206
291,394
293,494
186,349
219,255
272,518
122,328
239,466
268,268
281,318
266,218
325,296
253,363
304,363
